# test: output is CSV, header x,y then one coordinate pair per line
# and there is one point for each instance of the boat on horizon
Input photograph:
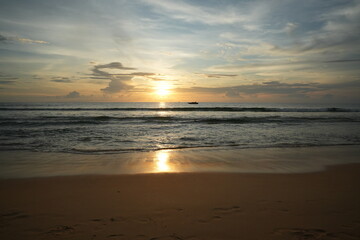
x,y
193,103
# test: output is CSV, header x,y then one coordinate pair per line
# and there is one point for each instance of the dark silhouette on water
x,y
193,103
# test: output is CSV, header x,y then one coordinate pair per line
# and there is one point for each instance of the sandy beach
x,y
179,120
184,206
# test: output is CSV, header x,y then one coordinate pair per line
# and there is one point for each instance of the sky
x,y
160,50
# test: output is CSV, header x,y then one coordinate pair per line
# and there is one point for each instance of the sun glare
x,y
162,161
162,89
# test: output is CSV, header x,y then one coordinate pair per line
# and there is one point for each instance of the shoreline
x,y
187,206
24,164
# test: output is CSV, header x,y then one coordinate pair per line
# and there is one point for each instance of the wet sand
x,y
186,206
26,164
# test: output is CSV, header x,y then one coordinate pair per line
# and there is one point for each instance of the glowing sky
x,y
158,50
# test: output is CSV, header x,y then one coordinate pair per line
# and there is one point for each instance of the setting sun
x,y
162,89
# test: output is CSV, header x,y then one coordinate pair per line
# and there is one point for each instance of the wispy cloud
x,y
61,80
5,39
220,75
340,31
7,79
211,15
273,87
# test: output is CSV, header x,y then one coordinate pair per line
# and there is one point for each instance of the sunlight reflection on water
x,y
161,161
162,104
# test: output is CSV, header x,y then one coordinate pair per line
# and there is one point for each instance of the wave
x,y
86,120
101,151
189,109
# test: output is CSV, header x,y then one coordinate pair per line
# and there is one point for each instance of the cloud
x,y
119,81
274,65
211,15
343,61
267,68
290,28
36,77
7,79
113,65
339,31
107,75
161,78
7,82
100,74
73,94
61,80
220,75
141,74
2,38
118,85
22,40
274,87
26,40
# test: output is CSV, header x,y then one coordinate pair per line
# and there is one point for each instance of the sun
x,y
162,89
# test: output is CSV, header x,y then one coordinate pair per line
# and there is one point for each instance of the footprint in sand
x,y
13,215
220,212
61,229
227,211
173,237
144,220
305,234
117,219
115,235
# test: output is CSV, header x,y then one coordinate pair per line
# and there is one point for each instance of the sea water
x,y
103,128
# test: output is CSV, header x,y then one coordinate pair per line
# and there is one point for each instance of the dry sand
x,y
193,206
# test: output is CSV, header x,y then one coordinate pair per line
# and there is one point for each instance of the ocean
x,y
116,128
98,128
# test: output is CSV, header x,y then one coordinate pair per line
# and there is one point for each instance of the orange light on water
x,y
162,161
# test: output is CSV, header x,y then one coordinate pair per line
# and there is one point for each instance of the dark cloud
x,y
73,94
220,75
114,65
343,61
216,75
272,83
282,65
274,87
61,80
137,74
98,77
117,85
7,81
5,39
142,74
118,81
97,72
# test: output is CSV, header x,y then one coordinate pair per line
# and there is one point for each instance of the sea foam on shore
x,y
22,164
